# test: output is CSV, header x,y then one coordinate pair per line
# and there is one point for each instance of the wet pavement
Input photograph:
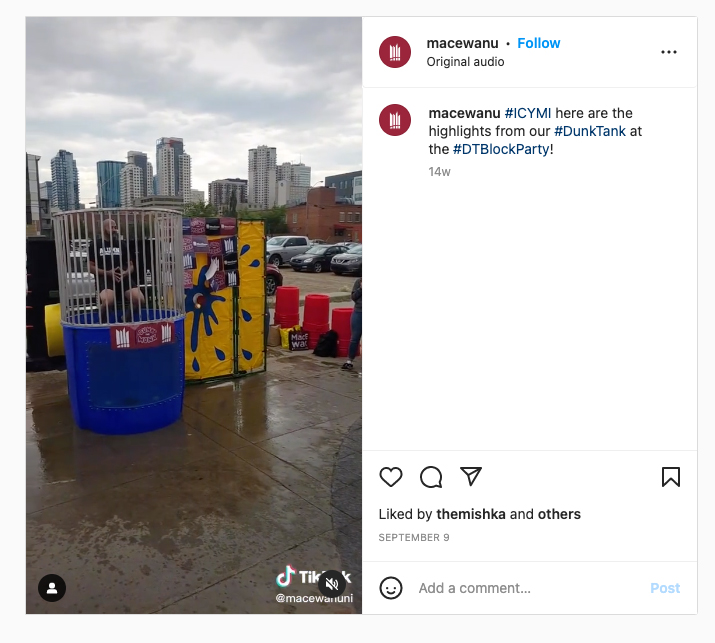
x,y
200,517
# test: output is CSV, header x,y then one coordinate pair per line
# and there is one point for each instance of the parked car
x,y
352,244
318,258
349,263
317,242
274,279
280,250
81,284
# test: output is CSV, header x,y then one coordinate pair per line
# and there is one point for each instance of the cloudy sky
x,y
99,87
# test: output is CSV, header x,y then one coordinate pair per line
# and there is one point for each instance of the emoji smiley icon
x,y
391,588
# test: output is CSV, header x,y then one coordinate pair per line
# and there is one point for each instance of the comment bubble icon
x,y
431,477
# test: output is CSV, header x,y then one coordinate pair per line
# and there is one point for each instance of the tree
x,y
233,203
275,219
199,209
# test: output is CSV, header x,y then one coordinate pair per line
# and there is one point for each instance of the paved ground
x,y
339,287
322,283
202,516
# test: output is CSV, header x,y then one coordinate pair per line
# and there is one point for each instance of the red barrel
x,y
287,313
316,312
287,301
341,325
286,322
316,317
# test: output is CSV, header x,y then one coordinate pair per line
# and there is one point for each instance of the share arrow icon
x,y
472,473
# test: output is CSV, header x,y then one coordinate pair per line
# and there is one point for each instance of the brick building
x,y
322,218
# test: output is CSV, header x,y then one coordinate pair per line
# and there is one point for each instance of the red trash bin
x,y
341,325
287,312
316,317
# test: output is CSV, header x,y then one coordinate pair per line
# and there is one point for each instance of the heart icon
x,y
391,475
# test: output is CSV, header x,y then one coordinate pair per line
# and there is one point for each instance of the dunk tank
x,y
224,277
122,325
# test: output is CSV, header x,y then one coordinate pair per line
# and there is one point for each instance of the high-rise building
x,y
173,168
155,183
65,182
197,196
141,160
282,192
162,201
165,171
149,180
32,190
343,184
185,177
298,177
46,190
262,177
131,184
220,193
109,189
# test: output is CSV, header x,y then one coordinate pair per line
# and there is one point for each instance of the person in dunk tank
x,y
109,260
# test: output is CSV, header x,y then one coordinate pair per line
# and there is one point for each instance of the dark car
x,y
318,258
274,278
349,263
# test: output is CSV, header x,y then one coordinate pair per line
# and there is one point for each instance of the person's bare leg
x,y
106,301
135,299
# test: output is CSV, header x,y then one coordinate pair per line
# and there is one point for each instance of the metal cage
x,y
149,243
122,310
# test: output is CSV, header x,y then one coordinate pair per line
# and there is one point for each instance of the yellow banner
x,y
252,258
251,304
251,331
208,330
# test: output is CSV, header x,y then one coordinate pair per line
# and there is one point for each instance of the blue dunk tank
x,y
122,327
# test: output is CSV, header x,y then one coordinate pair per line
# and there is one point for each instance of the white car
x,y
280,250
81,284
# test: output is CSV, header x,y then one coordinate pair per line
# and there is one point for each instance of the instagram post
x,y
525,451
194,258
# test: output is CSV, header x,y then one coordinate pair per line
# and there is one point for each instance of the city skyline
x,y
297,88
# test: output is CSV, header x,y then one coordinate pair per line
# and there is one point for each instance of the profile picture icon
x,y
395,52
51,588
395,120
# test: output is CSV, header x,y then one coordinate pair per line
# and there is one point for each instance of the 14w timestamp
x,y
440,171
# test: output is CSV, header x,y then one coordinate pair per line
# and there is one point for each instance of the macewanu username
x,y
465,113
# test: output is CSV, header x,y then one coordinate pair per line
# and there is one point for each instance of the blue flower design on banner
x,y
199,299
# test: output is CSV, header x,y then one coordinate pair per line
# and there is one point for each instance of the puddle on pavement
x,y
142,519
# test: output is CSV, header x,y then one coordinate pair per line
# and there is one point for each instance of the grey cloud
x,y
223,84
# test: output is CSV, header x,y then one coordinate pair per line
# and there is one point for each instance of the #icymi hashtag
x,y
489,148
